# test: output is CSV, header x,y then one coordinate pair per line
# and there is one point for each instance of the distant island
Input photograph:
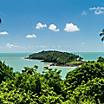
x,y
57,58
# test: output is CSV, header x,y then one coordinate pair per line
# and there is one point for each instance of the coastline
x,y
52,64
60,66
57,65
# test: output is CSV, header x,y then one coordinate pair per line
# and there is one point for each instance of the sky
x,y
66,25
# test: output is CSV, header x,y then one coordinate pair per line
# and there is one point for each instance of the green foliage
x,y
92,89
31,87
53,79
83,85
6,72
83,74
100,59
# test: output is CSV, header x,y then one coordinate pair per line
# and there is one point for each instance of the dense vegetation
x,y
100,59
58,58
83,85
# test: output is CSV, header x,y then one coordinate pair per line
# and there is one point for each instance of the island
x,y
57,58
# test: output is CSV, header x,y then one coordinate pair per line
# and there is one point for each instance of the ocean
x,y
18,61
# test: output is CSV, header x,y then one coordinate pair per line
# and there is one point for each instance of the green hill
x,y
58,58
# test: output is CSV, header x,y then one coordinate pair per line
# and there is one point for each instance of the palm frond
x,y
102,39
103,31
101,34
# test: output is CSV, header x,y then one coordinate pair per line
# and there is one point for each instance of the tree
x,y
83,74
84,85
53,79
92,90
6,72
100,59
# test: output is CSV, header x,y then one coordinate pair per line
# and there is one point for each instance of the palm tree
x,y
102,35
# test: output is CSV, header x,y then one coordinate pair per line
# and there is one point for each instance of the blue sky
x,y
35,25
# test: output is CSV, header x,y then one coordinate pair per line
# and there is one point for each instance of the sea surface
x,y
18,61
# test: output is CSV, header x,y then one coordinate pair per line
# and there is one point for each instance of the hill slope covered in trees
x,y
58,58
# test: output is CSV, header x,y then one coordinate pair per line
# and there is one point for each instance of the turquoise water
x,y
17,61
90,55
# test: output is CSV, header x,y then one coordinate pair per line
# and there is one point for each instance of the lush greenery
x,y
100,59
83,85
58,58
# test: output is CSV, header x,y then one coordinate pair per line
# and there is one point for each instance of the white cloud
x,y
70,27
30,36
97,10
14,46
53,27
40,25
10,45
3,33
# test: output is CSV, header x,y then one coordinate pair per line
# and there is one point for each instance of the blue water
x,y
90,55
17,61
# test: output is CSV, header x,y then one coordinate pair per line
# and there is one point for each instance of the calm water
x,y
90,55
17,61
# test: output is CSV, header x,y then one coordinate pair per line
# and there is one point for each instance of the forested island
x,y
57,58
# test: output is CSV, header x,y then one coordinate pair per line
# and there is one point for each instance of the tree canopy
x,y
57,57
83,85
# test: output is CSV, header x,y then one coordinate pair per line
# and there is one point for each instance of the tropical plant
x,y
102,35
100,59
6,72
83,85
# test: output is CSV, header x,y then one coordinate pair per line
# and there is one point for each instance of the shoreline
x,y
52,64
57,66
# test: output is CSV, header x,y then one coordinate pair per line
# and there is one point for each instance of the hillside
x,y
57,58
